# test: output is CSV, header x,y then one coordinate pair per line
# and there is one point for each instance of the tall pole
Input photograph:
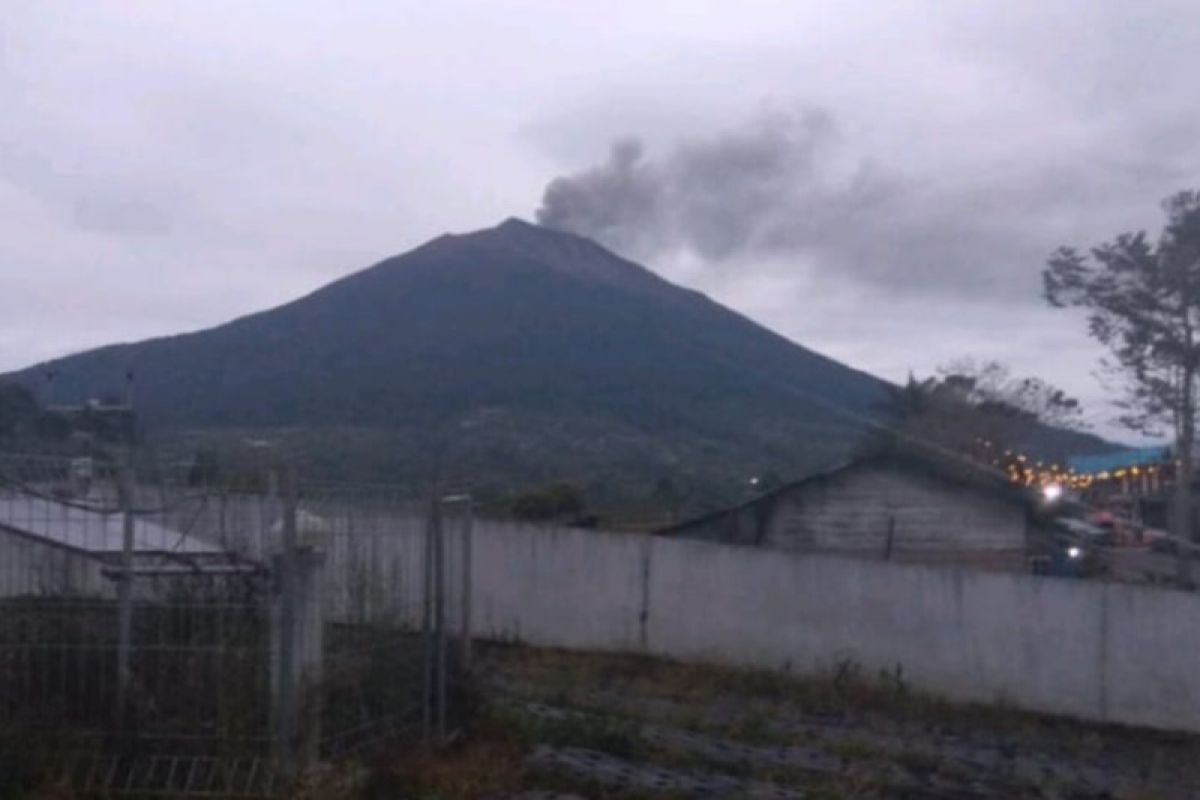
x,y
465,528
1185,442
427,619
439,604
286,700
125,596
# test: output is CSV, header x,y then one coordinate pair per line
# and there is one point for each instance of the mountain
x,y
502,357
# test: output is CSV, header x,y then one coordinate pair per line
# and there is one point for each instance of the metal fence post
x,y
468,546
309,652
125,492
434,699
283,637
439,605
465,532
427,620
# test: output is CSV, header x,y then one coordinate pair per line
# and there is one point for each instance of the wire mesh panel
x,y
199,664
176,634
382,589
124,639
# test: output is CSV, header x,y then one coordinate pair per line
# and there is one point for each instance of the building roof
x,y
93,532
942,464
1121,459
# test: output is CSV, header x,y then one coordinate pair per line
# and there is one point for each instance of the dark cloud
x,y
788,190
618,202
779,186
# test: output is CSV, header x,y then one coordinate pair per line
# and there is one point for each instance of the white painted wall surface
x,y
1101,652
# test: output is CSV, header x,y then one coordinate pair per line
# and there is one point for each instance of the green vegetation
x,y
558,501
18,411
1142,301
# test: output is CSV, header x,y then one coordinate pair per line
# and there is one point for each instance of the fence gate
x,y
395,601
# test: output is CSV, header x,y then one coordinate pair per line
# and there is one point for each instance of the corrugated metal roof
x,y
93,532
1122,459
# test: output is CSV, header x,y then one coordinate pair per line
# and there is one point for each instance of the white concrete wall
x,y
559,587
1095,651
1102,652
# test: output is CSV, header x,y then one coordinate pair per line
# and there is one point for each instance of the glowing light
x,y
1052,492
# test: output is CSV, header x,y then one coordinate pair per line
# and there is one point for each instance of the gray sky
x,y
877,180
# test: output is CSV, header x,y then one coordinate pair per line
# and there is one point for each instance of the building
x,y
58,548
1133,483
1136,472
909,505
100,420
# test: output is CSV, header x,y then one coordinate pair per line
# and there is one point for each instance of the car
x,y
1086,531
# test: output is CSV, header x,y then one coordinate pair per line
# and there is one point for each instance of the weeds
x,y
488,762
892,681
607,734
902,733
755,728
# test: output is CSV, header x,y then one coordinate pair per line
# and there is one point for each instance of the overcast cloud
x,y
877,180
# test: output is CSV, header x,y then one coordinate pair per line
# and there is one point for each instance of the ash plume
x,y
760,187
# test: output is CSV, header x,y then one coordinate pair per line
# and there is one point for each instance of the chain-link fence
x,y
158,635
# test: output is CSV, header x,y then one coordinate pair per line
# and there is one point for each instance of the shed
x,y
907,505
51,547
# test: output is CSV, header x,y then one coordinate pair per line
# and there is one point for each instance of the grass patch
x,y
612,735
490,761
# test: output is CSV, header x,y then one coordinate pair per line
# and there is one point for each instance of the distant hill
x,y
502,357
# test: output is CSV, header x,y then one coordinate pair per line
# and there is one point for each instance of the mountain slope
x,y
513,354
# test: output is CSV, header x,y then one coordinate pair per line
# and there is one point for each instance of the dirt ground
x,y
558,725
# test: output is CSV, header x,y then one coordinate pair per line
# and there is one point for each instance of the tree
x,y
978,409
18,410
1142,300
52,427
990,387
555,501
667,497
205,469
932,411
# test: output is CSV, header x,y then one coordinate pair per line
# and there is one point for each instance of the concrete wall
x,y
1102,652
1095,651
